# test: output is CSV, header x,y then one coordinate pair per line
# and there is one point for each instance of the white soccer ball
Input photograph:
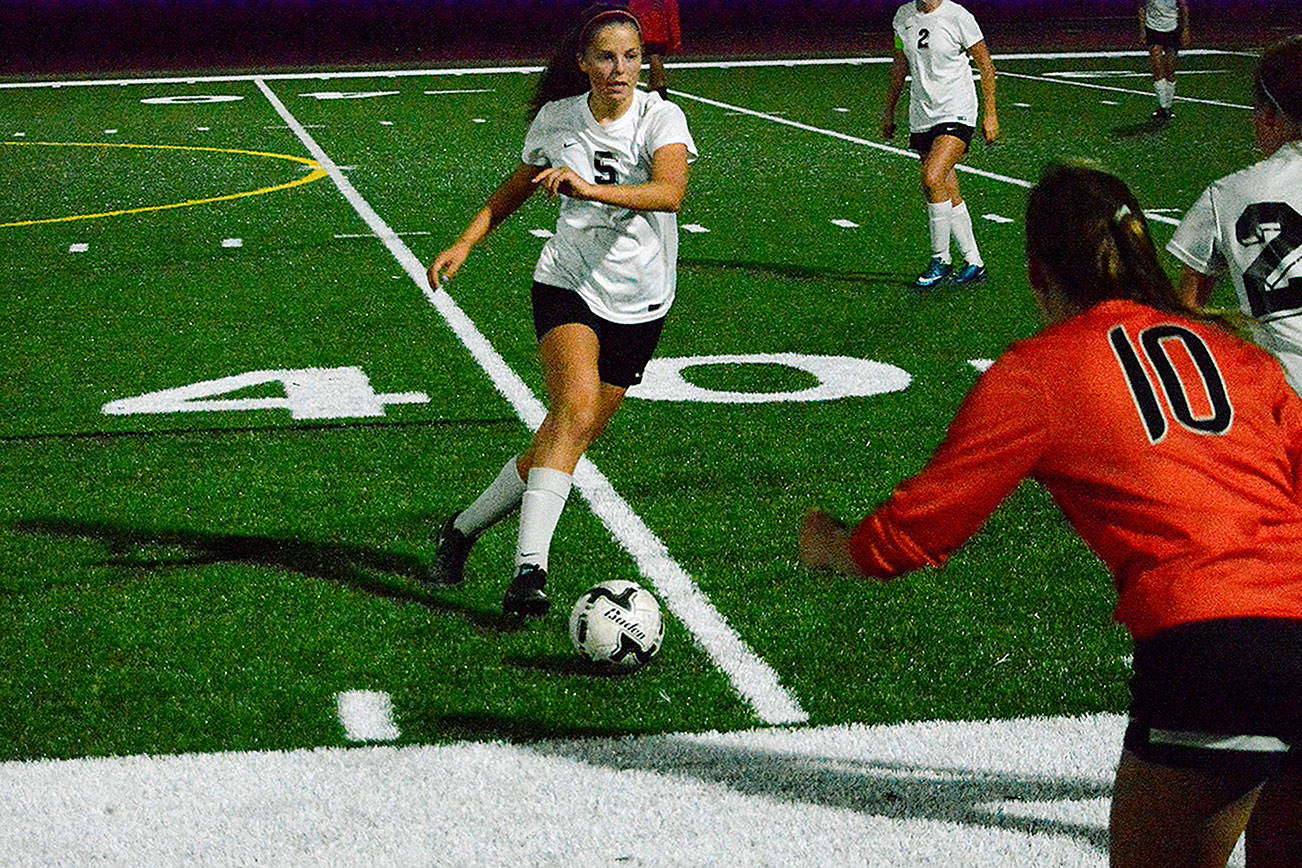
x,y
617,623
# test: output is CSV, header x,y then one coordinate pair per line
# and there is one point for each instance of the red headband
x,y
621,14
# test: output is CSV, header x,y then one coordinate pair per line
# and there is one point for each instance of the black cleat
x,y
453,547
525,597
1161,116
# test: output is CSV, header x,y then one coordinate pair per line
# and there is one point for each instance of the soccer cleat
x,y
453,547
937,272
1161,116
970,274
525,597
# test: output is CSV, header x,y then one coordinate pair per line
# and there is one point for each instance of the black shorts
x,y
624,349
1169,40
1220,697
922,142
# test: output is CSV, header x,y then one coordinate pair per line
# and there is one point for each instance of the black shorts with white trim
x,y
1169,40
922,142
623,349
1220,697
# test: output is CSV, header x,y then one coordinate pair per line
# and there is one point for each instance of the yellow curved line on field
x,y
317,174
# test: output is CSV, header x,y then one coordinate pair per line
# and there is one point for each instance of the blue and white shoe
x,y
970,274
937,272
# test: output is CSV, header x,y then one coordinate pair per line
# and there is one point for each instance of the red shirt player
x,y
661,36
1175,449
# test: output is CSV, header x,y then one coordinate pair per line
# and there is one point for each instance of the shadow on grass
x,y
873,787
1146,127
803,272
367,570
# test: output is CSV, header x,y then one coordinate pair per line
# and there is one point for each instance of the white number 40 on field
x,y
309,393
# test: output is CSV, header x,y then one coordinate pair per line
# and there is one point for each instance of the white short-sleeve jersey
x,y
936,44
1161,15
623,263
1249,224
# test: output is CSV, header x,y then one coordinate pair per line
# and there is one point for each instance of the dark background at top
x,y
79,36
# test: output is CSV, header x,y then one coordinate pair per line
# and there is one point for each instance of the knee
x,y
578,417
934,183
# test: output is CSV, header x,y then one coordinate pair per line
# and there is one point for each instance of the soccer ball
x,y
617,624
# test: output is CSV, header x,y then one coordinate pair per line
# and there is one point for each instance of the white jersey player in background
x,y
933,40
617,158
1249,224
1164,29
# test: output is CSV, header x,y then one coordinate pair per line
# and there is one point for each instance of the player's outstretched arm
x,y
899,71
664,192
505,201
989,110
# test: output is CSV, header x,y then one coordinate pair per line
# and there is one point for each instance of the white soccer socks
x,y
1165,88
540,509
961,228
499,500
940,216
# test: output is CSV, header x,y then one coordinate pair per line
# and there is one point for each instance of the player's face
x,y
613,62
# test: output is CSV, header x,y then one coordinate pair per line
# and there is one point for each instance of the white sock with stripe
x,y
540,509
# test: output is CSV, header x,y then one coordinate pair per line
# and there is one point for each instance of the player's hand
x,y
562,181
825,544
990,127
445,265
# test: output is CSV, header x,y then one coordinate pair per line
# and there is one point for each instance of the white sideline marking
x,y
754,679
367,715
982,365
541,233
694,228
845,224
79,248
232,242
528,70
997,218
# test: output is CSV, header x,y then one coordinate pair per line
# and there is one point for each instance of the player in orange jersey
x,y
661,36
1174,448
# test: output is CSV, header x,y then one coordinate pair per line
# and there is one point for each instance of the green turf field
x,y
206,576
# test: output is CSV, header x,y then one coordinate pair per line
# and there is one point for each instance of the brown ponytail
x,y
562,77
1090,234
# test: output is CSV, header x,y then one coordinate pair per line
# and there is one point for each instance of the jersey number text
x,y
1154,341
1287,245
603,163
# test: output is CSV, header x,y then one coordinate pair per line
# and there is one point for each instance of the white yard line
x,y
754,679
869,143
1071,82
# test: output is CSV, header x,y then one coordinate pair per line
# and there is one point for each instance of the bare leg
x,y
1275,830
581,405
1166,816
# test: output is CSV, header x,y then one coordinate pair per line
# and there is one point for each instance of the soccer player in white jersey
x,y
1164,29
933,40
617,158
1249,224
